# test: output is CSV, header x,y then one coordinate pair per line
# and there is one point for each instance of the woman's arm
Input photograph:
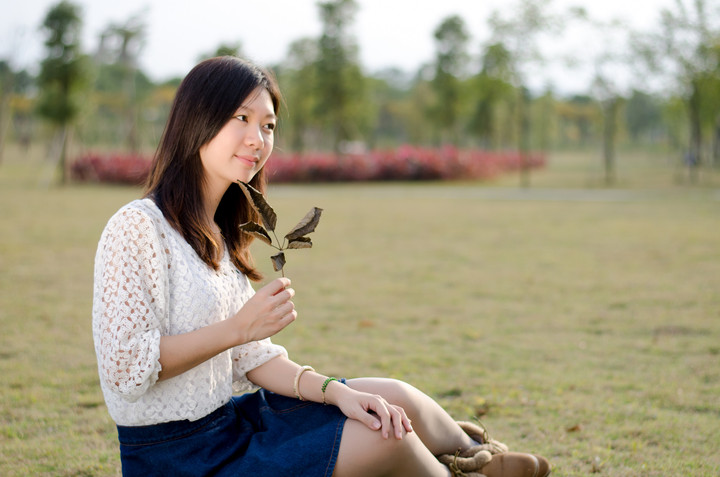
x,y
265,314
278,376
130,302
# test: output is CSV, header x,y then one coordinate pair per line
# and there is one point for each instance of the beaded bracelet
x,y
324,387
296,385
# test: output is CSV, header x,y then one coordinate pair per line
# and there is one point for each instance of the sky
x,y
390,33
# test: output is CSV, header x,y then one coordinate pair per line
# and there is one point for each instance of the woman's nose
x,y
253,137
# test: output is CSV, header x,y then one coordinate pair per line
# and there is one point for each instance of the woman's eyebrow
x,y
243,107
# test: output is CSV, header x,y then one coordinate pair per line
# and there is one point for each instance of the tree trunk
x,y
4,122
716,144
694,159
62,156
610,108
5,116
130,112
523,117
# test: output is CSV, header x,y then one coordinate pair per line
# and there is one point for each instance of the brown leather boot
x,y
467,462
492,459
516,464
480,435
509,464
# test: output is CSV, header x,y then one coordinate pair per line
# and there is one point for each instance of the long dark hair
x,y
205,101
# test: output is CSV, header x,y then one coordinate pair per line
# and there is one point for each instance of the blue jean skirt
x,y
254,434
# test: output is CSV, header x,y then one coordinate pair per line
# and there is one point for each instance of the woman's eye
x,y
241,117
270,126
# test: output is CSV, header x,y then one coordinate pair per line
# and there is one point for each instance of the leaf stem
x,y
280,246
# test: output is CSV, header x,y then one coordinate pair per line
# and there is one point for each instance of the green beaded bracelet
x,y
324,387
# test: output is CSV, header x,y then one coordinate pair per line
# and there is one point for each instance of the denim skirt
x,y
254,434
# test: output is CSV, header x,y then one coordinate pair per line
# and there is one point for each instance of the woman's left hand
x,y
370,409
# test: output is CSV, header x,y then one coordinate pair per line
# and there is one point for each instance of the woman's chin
x,y
245,177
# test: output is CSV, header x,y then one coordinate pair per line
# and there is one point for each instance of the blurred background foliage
x,y
97,98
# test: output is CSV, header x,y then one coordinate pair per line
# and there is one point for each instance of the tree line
x,y
103,99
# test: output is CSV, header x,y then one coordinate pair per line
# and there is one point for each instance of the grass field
x,y
575,321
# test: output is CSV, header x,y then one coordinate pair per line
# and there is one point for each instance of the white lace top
x,y
149,282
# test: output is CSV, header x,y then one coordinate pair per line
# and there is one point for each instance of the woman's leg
x,y
364,453
434,426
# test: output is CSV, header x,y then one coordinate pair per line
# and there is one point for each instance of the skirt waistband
x,y
143,435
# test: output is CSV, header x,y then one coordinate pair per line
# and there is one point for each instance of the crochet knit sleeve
x,y
130,303
249,356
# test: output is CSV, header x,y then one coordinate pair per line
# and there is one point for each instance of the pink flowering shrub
x,y
112,168
406,163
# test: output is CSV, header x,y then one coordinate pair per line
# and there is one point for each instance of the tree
x,y
709,85
686,46
7,85
642,115
451,61
545,119
610,102
577,114
389,91
414,110
339,81
297,78
520,35
14,104
491,86
608,58
63,74
120,47
226,49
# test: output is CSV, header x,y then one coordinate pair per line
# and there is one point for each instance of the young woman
x,y
178,328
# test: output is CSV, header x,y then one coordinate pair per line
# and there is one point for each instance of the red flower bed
x,y
113,168
406,163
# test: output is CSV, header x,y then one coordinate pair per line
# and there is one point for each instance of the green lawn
x,y
578,322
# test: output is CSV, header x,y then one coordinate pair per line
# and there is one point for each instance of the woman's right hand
x,y
268,311
370,409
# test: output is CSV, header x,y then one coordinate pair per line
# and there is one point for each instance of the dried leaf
x,y
574,428
300,242
306,225
256,199
278,261
257,231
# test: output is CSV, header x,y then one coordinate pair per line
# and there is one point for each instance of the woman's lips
x,y
248,160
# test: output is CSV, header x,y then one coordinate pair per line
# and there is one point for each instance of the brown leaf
x,y
278,261
256,199
575,428
300,242
482,409
306,225
257,231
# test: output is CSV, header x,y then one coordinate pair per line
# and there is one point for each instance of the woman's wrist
x,y
296,384
236,332
309,385
334,390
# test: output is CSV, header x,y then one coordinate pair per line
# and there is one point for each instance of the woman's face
x,y
243,145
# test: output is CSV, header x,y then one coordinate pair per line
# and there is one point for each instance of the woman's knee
x,y
364,452
394,391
